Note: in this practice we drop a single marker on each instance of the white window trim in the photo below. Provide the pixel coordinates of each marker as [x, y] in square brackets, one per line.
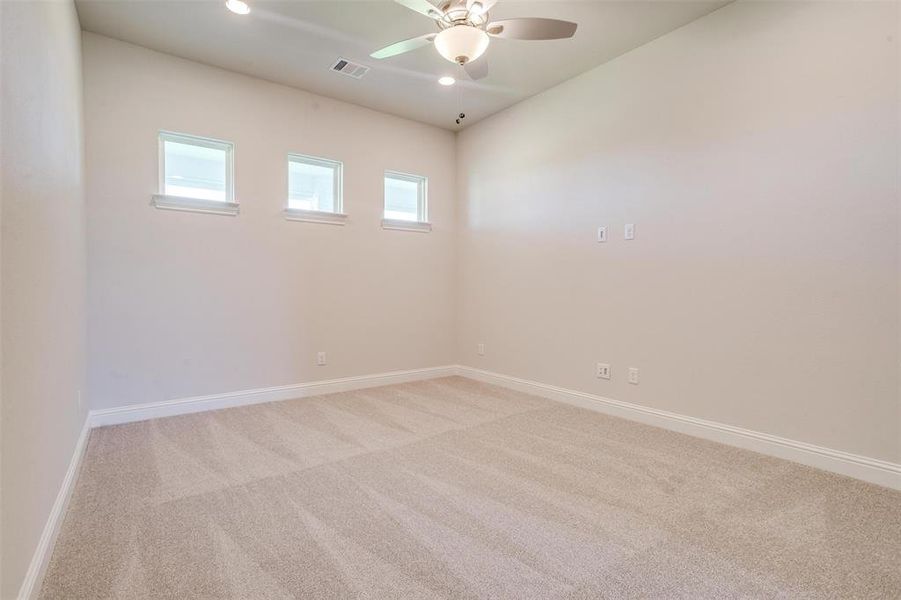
[315, 216]
[401, 225]
[338, 217]
[215, 207]
[422, 223]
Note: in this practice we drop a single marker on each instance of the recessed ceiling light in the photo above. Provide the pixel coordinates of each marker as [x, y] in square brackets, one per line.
[239, 7]
[447, 80]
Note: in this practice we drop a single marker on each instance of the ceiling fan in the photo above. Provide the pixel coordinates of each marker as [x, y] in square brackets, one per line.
[464, 32]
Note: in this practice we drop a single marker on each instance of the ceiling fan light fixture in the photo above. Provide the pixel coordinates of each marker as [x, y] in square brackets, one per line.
[462, 43]
[239, 7]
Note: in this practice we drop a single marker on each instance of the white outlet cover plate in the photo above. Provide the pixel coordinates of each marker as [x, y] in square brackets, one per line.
[633, 376]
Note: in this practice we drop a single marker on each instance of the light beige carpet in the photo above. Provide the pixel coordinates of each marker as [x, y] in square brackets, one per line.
[455, 489]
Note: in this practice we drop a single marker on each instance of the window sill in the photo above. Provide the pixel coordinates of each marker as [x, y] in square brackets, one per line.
[406, 225]
[213, 207]
[315, 216]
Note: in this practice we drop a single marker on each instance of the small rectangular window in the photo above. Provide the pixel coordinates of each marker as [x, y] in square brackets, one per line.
[314, 183]
[314, 190]
[405, 201]
[196, 173]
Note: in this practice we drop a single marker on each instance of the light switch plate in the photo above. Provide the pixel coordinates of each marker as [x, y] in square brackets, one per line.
[602, 234]
[629, 232]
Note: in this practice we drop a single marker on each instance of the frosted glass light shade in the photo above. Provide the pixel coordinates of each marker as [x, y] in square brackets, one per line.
[462, 43]
[239, 7]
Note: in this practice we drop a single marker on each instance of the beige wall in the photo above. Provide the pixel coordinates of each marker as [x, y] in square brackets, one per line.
[42, 266]
[756, 150]
[182, 304]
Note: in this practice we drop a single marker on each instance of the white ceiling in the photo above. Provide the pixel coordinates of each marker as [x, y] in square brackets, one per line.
[295, 43]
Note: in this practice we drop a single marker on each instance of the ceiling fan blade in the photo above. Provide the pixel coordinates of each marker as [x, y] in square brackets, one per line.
[423, 7]
[532, 28]
[479, 7]
[477, 69]
[404, 46]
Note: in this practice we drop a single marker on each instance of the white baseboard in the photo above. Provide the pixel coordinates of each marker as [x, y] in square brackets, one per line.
[41, 557]
[860, 467]
[182, 406]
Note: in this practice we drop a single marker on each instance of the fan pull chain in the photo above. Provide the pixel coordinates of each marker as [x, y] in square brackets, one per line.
[463, 75]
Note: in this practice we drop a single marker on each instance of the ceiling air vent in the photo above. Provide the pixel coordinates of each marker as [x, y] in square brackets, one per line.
[345, 67]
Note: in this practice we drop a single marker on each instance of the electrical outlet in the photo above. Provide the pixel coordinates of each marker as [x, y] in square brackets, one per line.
[320, 359]
[603, 371]
[480, 349]
[633, 376]
[602, 234]
[629, 232]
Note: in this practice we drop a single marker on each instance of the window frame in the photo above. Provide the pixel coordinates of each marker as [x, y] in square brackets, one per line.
[336, 217]
[422, 203]
[171, 202]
